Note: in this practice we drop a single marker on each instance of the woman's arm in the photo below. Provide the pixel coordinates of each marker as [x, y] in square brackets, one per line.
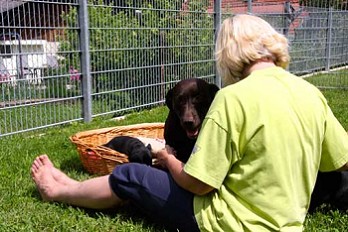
[343, 168]
[166, 159]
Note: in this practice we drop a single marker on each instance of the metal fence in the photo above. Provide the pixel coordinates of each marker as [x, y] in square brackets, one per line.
[70, 60]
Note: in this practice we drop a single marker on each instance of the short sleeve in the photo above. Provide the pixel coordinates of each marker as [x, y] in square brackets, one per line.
[335, 145]
[210, 160]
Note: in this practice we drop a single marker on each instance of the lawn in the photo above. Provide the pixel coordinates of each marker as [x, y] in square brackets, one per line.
[334, 79]
[20, 205]
[23, 210]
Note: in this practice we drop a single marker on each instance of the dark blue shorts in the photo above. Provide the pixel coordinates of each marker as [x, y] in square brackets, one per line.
[155, 192]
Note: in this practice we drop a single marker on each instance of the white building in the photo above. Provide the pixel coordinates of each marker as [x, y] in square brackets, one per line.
[26, 59]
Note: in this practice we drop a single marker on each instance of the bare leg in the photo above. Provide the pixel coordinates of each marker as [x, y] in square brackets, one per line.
[54, 185]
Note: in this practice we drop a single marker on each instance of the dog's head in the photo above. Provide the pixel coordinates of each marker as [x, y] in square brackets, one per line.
[141, 155]
[190, 100]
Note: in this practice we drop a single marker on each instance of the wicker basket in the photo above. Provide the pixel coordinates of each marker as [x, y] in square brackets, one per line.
[101, 160]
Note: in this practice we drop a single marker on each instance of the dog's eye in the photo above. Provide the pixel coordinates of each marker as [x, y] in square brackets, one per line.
[197, 99]
[180, 100]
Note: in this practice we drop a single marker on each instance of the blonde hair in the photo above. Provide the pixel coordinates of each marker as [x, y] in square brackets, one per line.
[244, 39]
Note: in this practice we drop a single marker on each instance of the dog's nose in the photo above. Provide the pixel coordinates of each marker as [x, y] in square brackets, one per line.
[189, 124]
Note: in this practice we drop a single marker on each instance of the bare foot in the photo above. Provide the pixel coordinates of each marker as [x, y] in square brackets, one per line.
[54, 185]
[45, 183]
[57, 174]
[48, 179]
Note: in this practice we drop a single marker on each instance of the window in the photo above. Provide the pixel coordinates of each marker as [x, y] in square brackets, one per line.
[5, 51]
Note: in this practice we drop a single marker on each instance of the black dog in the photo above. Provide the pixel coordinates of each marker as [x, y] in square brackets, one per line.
[132, 147]
[188, 102]
[330, 188]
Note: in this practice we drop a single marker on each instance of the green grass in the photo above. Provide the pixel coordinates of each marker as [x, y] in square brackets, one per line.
[22, 209]
[20, 205]
[333, 79]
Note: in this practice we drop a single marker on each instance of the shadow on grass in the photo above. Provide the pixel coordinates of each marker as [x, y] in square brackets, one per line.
[73, 164]
[326, 209]
[130, 213]
[127, 213]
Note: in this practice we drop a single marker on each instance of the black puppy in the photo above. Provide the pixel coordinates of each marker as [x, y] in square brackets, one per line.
[188, 102]
[132, 147]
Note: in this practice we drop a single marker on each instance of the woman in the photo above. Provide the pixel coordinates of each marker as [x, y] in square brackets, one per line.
[253, 168]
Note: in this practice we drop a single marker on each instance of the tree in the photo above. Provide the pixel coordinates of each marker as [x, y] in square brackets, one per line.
[140, 47]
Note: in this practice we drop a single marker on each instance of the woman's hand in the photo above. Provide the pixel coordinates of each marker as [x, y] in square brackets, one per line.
[162, 157]
[166, 159]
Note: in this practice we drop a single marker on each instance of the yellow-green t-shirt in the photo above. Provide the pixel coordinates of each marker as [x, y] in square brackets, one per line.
[261, 145]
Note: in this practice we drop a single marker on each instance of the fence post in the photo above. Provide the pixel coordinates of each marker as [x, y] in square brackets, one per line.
[250, 6]
[85, 61]
[287, 18]
[217, 24]
[328, 40]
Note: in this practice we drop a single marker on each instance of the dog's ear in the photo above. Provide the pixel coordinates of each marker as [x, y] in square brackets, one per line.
[213, 89]
[149, 147]
[169, 99]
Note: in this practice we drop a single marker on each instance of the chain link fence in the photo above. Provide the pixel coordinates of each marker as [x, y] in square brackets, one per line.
[69, 60]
